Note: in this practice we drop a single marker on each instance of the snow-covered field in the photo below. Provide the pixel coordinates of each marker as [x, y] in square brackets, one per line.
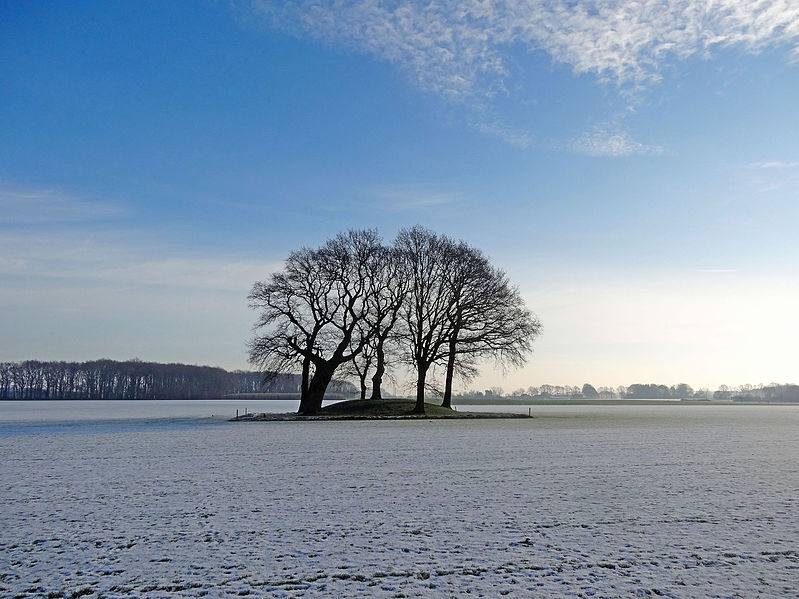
[587, 501]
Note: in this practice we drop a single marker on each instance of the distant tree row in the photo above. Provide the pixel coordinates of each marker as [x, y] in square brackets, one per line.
[361, 307]
[769, 393]
[588, 391]
[744, 393]
[133, 379]
[654, 391]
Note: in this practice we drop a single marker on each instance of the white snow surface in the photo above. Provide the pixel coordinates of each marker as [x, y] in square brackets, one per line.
[583, 501]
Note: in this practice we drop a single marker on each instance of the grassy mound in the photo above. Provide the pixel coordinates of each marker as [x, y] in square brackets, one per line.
[385, 409]
[381, 407]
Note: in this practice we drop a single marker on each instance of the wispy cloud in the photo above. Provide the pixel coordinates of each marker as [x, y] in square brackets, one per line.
[774, 176]
[408, 199]
[192, 272]
[514, 137]
[29, 207]
[117, 255]
[774, 165]
[456, 48]
[605, 142]
[123, 259]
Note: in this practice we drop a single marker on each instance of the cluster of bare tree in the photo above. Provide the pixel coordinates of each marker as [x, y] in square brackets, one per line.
[357, 305]
[131, 379]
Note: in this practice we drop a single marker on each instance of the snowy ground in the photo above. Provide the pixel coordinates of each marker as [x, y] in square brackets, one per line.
[605, 501]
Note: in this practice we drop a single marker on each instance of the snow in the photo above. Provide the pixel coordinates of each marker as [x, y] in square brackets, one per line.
[608, 501]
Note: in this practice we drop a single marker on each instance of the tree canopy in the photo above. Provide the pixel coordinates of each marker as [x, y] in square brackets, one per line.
[356, 303]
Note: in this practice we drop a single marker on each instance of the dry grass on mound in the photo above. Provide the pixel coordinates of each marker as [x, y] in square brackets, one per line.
[381, 407]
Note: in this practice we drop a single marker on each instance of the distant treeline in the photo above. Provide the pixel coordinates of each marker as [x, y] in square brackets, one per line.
[744, 393]
[655, 391]
[588, 391]
[775, 393]
[134, 379]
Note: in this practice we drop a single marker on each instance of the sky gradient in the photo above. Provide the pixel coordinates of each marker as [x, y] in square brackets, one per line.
[633, 166]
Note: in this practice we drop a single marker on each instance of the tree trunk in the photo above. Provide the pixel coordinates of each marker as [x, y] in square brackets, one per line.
[322, 376]
[304, 405]
[419, 407]
[306, 371]
[362, 378]
[447, 403]
[380, 369]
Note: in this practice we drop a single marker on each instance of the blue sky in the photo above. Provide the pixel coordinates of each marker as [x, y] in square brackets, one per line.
[634, 166]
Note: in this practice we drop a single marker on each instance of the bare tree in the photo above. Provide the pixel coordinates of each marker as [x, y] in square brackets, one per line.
[389, 279]
[5, 380]
[315, 312]
[293, 310]
[360, 366]
[487, 316]
[388, 289]
[425, 313]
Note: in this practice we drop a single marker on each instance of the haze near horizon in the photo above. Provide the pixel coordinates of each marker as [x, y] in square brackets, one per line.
[632, 166]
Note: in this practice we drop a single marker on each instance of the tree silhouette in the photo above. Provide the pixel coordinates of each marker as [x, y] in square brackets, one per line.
[487, 316]
[426, 311]
[316, 311]
[354, 302]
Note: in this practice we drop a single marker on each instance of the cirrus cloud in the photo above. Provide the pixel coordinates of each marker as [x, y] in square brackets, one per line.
[612, 143]
[457, 48]
[47, 206]
[775, 164]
